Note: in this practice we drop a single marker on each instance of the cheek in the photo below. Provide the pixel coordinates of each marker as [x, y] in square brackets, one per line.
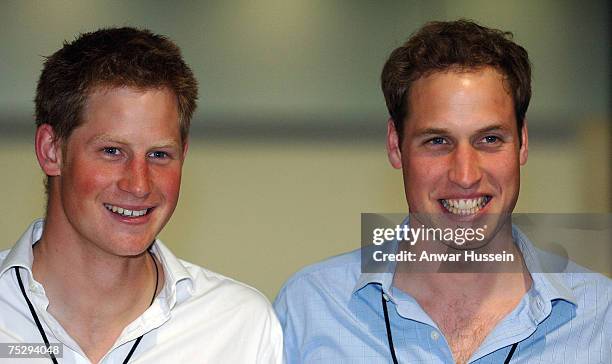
[422, 177]
[504, 169]
[86, 178]
[168, 183]
[423, 173]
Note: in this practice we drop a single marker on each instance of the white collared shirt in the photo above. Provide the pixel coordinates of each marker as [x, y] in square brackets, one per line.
[198, 316]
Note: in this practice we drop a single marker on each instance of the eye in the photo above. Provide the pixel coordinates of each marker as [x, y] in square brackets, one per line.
[437, 141]
[491, 139]
[159, 154]
[111, 151]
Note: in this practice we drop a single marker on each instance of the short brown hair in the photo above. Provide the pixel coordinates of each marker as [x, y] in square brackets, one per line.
[461, 45]
[111, 57]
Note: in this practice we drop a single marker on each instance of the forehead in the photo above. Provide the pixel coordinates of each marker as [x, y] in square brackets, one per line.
[113, 95]
[129, 112]
[460, 98]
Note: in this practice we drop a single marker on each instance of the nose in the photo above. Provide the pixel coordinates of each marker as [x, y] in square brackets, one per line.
[465, 170]
[136, 178]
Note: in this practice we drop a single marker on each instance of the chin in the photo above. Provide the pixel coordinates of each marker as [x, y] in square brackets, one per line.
[130, 247]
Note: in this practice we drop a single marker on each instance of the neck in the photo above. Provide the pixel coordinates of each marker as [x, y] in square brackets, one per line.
[451, 280]
[94, 282]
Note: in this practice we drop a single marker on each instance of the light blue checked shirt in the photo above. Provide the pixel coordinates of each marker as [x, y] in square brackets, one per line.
[332, 313]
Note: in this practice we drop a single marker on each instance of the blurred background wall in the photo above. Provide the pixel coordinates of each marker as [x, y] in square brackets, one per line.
[287, 146]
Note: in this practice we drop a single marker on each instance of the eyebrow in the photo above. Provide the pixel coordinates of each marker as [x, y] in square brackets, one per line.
[430, 131]
[105, 138]
[442, 131]
[494, 127]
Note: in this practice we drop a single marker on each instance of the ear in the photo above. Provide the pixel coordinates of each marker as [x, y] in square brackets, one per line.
[185, 148]
[523, 152]
[48, 150]
[393, 148]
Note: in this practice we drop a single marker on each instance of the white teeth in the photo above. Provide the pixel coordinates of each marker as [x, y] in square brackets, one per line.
[125, 212]
[465, 206]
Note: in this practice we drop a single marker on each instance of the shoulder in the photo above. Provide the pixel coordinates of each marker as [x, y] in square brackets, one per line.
[586, 284]
[209, 285]
[319, 289]
[224, 305]
[220, 310]
[337, 273]
[590, 286]
[315, 300]
[195, 285]
[592, 293]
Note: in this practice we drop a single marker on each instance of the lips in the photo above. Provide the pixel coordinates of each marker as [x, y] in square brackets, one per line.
[465, 207]
[127, 212]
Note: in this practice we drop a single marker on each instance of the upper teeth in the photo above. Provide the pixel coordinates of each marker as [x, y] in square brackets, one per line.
[465, 206]
[125, 212]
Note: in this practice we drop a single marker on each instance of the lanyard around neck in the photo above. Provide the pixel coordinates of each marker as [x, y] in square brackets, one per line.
[42, 332]
[390, 337]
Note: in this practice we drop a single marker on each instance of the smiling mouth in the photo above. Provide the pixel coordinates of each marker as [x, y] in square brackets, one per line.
[126, 212]
[465, 207]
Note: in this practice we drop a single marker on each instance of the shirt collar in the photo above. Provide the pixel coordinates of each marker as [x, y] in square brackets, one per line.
[176, 275]
[179, 282]
[21, 254]
[383, 277]
[549, 285]
[369, 274]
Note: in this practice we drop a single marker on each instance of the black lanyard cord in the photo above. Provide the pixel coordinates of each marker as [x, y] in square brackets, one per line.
[42, 332]
[512, 349]
[127, 358]
[390, 337]
[36, 320]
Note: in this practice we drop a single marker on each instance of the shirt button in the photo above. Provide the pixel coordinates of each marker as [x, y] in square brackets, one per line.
[434, 335]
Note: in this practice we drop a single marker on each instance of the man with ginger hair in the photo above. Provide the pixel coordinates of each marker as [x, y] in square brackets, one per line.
[113, 109]
[457, 95]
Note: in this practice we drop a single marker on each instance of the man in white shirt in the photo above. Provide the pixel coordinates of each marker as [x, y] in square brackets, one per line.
[113, 109]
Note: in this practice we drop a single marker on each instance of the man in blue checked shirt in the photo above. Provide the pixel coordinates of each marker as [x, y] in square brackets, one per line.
[457, 95]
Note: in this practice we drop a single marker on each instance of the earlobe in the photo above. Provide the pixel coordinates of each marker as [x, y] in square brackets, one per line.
[393, 149]
[48, 150]
[524, 151]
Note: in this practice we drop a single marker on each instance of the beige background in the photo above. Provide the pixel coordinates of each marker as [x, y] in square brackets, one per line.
[258, 212]
[288, 144]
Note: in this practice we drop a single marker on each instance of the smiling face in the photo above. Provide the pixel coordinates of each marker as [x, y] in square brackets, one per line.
[460, 154]
[118, 176]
